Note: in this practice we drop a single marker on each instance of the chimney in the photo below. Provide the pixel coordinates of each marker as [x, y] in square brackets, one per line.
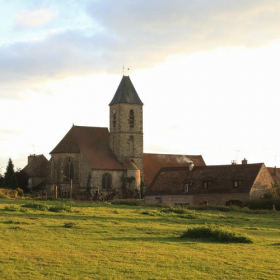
[233, 162]
[244, 161]
[30, 158]
[191, 166]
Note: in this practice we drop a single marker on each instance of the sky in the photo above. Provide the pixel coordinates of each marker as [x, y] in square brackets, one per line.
[207, 72]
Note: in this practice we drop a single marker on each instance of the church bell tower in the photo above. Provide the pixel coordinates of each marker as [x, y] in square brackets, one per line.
[126, 124]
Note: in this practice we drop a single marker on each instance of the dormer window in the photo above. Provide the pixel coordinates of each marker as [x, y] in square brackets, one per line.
[237, 183]
[206, 184]
[131, 118]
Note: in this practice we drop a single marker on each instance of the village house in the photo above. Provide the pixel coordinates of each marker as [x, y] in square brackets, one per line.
[37, 171]
[209, 185]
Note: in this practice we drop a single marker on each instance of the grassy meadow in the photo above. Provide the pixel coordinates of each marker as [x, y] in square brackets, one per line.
[106, 241]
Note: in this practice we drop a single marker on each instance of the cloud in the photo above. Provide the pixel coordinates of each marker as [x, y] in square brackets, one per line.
[136, 33]
[10, 132]
[35, 18]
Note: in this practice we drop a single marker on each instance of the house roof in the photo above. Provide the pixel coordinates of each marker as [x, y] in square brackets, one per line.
[126, 93]
[275, 173]
[171, 180]
[37, 166]
[93, 143]
[152, 163]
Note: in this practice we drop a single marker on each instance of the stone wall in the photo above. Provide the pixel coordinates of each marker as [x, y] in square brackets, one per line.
[81, 169]
[124, 139]
[96, 180]
[262, 184]
[198, 199]
[169, 199]
[219, 199]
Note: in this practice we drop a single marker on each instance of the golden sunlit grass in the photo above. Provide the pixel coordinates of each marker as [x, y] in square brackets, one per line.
[103, 241]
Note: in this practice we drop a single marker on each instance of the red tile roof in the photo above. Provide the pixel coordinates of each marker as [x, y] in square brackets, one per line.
[171, 180]
[152, 163]
[93, 143]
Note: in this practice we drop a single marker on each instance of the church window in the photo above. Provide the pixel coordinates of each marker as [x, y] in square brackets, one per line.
[106, 181]
[68, 170]
[131, 118]
[114, 118]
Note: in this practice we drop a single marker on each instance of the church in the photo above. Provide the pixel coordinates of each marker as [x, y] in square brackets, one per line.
[98, 159]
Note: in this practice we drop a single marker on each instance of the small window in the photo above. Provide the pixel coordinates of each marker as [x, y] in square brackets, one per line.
[131, 118]
[186, 187]
[207, 184]
[114, 118]
[237, 183]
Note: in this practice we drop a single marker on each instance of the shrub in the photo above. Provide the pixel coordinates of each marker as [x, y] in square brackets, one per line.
[216, 233]
[60, 208]
[9, 222]
[8, 193]
[176, 210]
[69, 225]
[11, 208]
[212, 207]
[263, 203]
[20, 192]
[36, 206]
[132, 202]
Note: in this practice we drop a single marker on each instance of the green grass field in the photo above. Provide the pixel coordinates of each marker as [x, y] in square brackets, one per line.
[103, 241]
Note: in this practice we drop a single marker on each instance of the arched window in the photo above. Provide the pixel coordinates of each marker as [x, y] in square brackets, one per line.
[131, 118]
[106, 181]
[68, 170]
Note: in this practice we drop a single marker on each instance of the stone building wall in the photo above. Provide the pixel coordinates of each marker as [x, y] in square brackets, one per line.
[126, 140]
[220, 199]
[96, 180]
[198, 199]
[81, 172]
[169, 199]
[262, 184]
[136, 174]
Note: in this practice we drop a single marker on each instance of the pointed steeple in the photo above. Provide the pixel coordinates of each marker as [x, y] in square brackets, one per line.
[126, 93]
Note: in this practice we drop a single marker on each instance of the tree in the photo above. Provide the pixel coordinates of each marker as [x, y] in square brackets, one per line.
[276, 189]
[10, 178]
[22, 179]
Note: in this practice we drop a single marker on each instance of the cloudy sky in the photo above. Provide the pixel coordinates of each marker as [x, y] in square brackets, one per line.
[207, 71]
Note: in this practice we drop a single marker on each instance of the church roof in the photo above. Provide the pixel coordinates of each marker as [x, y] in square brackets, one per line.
[152, 163]
[93, 143]
[126, 93]
[171, 180]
